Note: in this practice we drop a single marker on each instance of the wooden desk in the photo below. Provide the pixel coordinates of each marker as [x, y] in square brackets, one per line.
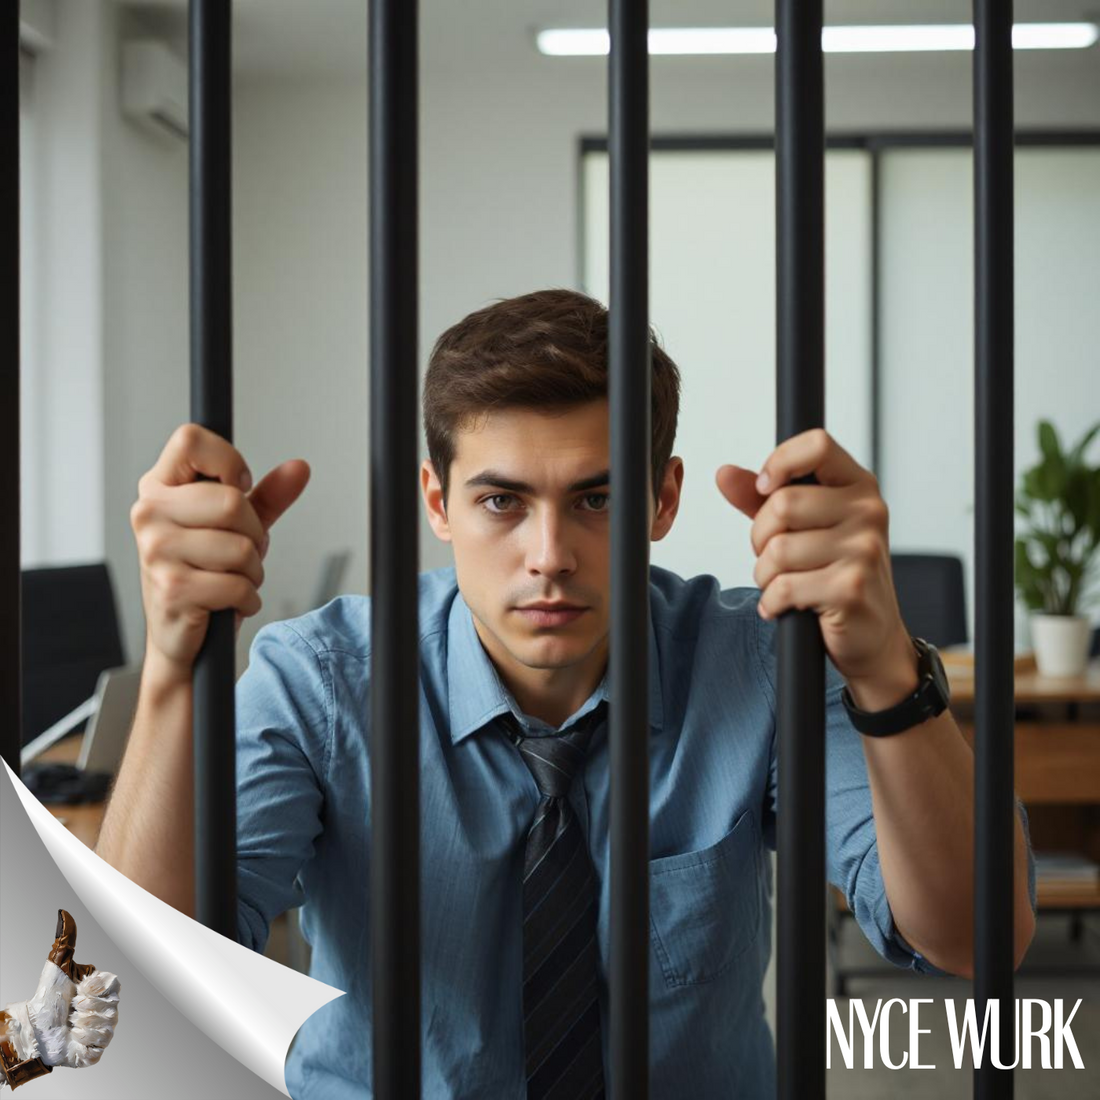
[1030, 687]
[1057, 769]
[81, 819]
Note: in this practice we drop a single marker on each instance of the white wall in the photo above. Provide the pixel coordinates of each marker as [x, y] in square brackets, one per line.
[928, 333]
[498, 193]
[712, 295]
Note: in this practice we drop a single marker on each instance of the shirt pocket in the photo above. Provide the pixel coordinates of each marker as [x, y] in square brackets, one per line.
[704, 906]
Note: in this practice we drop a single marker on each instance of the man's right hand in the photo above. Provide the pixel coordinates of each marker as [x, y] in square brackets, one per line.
[201, 544]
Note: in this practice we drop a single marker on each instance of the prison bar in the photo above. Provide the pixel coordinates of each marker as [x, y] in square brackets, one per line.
[800, 656]
[394, 670]
[994, 710]
[211, 272]
[630, 386]
[11, 687]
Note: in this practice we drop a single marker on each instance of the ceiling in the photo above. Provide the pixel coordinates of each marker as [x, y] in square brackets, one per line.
[312, 37]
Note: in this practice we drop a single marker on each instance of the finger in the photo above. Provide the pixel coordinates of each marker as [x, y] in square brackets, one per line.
[811, 452]
[210, 550]
[100, 983]
[812, 590]
[800, 508]
[194, 450]
[279, 489]
[738, 486]
[205, 506]
[795, 552]
[197, 588]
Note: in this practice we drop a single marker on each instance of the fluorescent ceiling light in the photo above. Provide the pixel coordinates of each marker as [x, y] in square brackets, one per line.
[885, 39]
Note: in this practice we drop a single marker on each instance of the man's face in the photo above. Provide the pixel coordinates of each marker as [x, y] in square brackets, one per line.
[528, 515]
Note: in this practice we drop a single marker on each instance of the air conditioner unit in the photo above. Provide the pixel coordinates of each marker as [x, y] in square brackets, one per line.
[154, 87]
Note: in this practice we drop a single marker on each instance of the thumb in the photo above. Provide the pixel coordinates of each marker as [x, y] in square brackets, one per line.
[279, 489]
[64, 944]
[738, 486]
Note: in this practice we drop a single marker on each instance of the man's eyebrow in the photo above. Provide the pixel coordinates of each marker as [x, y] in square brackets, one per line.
[497, 480]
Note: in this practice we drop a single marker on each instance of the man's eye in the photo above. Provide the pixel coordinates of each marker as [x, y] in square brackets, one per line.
[601, 498]
[497, 497]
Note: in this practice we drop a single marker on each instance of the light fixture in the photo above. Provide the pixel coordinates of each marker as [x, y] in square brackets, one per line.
[837, 39]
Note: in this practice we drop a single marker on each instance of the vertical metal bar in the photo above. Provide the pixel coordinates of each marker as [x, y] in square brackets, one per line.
[630, 388]
[212, 407]
[994, 711]
[11, 692]
[800, 395]
[876, 310]
[394, 746]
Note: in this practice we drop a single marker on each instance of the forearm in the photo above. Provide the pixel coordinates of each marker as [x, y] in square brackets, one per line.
[148, 830]
[922, 793]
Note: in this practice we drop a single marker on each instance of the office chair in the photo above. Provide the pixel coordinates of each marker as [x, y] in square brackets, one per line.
[931, 596]
[70, 634]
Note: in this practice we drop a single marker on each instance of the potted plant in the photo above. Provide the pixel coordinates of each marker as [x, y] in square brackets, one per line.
[1055, 553]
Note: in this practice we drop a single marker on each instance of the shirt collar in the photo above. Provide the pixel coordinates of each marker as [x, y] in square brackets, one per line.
[476, 695]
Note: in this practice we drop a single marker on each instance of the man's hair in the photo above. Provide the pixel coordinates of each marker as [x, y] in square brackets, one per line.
[546, 350]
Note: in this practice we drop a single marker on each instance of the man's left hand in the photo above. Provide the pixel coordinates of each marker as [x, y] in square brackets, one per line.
[825, 547]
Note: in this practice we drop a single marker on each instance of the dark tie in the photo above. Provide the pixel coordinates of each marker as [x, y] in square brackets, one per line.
[561, 1007]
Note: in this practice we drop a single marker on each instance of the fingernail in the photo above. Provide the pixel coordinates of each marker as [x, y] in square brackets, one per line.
[246, 481]
[762, 482]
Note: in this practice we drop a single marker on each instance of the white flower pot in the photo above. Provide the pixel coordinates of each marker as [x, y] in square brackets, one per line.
[1061, 643]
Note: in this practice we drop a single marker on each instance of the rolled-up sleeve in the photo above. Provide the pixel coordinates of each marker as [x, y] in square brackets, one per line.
[284, 711]
[851, 844]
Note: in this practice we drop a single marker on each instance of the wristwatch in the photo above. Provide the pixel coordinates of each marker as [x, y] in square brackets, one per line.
[930, 698]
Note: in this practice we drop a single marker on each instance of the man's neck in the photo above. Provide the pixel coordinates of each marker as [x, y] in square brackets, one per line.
[549, 694]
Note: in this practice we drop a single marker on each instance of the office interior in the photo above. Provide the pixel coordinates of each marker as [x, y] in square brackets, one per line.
[513, 197]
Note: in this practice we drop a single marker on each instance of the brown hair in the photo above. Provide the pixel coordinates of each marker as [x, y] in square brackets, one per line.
[542, 350]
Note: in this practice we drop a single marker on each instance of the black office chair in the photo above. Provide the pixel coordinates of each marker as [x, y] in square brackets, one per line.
[932, 596]
[70, 635]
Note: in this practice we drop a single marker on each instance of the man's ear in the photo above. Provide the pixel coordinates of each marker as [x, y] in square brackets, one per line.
[668, 500]
[432, 493]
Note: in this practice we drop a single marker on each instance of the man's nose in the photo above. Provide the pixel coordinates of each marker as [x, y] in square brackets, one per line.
[550, 551]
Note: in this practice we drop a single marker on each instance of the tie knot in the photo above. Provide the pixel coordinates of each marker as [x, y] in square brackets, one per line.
[554, 760]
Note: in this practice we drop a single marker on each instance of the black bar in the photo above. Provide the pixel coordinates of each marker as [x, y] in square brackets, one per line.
[212, 407]
[994, 712]
[11, 689]
[630, 388]
[1084, 137]
[800, 406]
[394, 673]
[876, 311]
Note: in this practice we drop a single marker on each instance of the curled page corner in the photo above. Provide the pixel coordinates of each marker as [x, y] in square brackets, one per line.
[248, 1004]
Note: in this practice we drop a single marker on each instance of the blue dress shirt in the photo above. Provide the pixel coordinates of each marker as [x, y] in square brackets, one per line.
[304, 807]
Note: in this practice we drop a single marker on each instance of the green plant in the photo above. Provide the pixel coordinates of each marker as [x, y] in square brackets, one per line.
[1060, 498]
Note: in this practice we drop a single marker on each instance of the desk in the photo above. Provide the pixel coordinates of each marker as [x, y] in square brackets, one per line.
[1057, 769]
[81, 819]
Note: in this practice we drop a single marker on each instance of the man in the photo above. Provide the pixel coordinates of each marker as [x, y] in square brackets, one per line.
[513, 746]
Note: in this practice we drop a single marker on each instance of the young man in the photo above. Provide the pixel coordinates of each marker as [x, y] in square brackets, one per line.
[513, 734]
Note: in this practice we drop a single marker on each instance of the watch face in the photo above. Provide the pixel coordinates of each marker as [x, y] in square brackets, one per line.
[939, 675]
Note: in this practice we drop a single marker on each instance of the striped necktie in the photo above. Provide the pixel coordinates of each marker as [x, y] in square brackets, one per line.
[561, 1007]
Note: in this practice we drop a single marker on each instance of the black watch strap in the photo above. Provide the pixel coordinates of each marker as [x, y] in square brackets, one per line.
[930, 698]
